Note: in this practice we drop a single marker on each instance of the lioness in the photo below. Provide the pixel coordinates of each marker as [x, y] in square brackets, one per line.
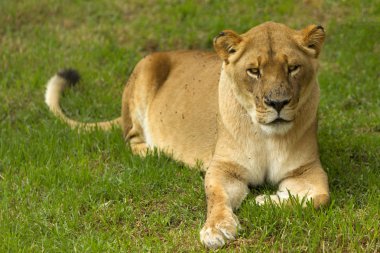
[247, 112]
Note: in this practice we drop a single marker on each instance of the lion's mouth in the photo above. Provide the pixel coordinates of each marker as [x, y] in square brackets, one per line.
[279, 121]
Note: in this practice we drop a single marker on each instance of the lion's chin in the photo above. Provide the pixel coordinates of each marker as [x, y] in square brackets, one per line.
[277, 127]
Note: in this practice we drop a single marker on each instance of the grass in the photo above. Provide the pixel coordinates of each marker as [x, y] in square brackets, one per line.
[61, 191]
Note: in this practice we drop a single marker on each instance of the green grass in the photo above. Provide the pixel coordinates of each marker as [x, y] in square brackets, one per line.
[61, 191]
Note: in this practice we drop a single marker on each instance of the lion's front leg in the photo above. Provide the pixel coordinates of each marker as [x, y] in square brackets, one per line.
[226, 188]
[310, 185]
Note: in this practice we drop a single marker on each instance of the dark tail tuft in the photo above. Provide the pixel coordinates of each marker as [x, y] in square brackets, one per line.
[70, 75]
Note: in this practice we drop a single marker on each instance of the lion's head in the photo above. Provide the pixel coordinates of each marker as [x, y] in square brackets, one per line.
[273, 70]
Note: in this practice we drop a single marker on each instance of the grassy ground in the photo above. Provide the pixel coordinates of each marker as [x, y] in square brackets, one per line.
[61, 191]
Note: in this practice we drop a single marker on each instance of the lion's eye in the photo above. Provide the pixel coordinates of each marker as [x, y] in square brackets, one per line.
[293, 69]
[253, 72]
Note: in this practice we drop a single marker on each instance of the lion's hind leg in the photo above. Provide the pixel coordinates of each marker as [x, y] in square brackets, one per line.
[147, 77]
[137, 143]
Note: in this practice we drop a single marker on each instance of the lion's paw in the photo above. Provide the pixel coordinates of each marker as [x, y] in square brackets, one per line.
[216, 236]
[275, 199]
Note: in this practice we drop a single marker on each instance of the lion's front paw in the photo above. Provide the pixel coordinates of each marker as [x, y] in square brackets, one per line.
[278, 198]
[215, 236]
[263, 199]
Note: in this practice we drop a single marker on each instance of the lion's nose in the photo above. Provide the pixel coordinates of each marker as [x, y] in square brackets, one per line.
[277, 104]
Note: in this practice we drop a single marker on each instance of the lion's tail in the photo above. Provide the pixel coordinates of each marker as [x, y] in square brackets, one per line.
[54, 89]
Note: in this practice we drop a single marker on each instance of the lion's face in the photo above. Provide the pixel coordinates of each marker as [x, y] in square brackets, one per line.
[272, 68]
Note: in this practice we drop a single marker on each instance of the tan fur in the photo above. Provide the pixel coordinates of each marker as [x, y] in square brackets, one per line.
[222, 109]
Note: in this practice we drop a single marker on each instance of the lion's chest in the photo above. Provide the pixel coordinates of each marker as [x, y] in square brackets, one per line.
[267, 161]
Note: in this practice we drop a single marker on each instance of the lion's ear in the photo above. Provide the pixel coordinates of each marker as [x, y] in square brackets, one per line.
[312, 38]
[226, 44]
